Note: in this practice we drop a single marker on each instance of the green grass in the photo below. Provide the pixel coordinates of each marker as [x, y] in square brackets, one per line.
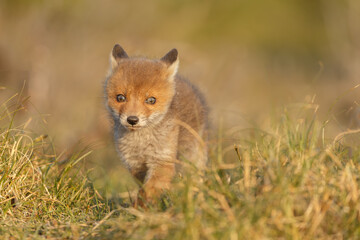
[39, 194]
[285, 181]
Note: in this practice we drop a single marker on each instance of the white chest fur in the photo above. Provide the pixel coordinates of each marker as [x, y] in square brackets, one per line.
[149, 145]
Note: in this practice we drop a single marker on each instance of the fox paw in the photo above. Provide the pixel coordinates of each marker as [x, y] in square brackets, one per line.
[147, 196]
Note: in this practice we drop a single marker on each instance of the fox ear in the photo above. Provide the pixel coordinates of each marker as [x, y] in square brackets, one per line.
[116, 55]
[171, 59]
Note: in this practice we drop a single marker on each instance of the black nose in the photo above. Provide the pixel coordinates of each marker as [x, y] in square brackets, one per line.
[133, 120]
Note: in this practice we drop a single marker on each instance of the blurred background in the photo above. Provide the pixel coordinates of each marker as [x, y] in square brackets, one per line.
[248, 57]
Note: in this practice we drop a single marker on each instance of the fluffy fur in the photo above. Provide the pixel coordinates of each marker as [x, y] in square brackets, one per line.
[173, 128]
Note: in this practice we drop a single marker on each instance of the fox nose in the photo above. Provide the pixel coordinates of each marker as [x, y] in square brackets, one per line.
[133, 120]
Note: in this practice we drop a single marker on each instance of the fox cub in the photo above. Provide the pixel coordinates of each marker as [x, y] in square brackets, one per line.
[158, 118]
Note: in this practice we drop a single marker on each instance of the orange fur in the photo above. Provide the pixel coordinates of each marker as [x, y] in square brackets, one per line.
[149, 148]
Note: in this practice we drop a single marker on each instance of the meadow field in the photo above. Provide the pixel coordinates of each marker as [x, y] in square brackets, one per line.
[282, 83]
[287, 181]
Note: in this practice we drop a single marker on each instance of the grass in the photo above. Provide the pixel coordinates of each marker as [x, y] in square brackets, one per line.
[285, 181]
[40, 195]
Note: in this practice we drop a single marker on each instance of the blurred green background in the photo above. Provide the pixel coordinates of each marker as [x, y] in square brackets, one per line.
[248, 57]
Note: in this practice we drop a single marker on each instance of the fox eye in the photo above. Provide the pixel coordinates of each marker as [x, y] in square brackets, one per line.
[120, 98]
[151, 100]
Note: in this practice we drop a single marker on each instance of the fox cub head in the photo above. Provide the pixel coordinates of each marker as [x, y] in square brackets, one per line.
[139, 91]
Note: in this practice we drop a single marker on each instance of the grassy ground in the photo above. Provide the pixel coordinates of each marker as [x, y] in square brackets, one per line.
[285, 181]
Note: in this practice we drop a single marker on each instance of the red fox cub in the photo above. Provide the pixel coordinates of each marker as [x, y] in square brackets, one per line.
[158, 118]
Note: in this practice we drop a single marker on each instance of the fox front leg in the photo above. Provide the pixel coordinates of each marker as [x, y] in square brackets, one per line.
[158, 179]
